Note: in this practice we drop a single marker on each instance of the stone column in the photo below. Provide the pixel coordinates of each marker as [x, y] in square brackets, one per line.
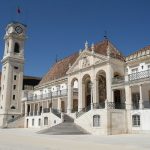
[91, 95]
[128, 95]
[112, 95]
[81, 95]
[59, 105]
[141, 97]
[69, 105]
[42, 107]
[26, 107]
[47, 106]
[38, 109]
[30, 110]
[34, 109]
[109, 83]
[95, 91]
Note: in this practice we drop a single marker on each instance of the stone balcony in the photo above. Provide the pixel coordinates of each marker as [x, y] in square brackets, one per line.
[143, 75]
[50, 95]
[61, 93]
[139, 75]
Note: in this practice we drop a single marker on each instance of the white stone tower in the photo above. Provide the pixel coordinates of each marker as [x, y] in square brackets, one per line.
[12, 72]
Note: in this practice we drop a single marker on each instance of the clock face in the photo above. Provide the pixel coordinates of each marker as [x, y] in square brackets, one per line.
[18, 29]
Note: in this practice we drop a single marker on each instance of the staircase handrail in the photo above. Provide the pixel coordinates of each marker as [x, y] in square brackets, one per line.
[56, 112]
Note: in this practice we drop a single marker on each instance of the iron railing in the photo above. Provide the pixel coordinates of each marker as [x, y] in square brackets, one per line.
[47, 95]
[46, 110]
[114, 105]
[84, 110]
[100, 105]
[139, 75]
[118, 80]
[56, 112]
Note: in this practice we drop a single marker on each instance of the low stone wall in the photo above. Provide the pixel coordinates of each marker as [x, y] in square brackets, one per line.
[86, 122]
[111, 121]
[52, 121]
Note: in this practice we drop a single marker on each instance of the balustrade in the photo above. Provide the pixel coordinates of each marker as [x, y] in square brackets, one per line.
[47, 95]
[139, 75]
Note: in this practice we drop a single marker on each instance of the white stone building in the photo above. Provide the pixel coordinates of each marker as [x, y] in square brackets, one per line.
[103, 91]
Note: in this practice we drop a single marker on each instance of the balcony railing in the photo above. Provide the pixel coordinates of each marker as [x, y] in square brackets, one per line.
[118, 80]
[113, 105]
[48, 95]
[139, 75]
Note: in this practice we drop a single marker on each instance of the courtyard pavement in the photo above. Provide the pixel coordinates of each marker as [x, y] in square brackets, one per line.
[28, 139]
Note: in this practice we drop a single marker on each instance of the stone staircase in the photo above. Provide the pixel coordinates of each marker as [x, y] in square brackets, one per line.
[17, 122]
[68, 127]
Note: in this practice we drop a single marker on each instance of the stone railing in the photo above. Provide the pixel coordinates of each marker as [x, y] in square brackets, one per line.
[102, 105]
[139, 75]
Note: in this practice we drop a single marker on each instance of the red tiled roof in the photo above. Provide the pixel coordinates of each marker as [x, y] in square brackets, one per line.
[60, 68]
[102, 47]
[140, 50]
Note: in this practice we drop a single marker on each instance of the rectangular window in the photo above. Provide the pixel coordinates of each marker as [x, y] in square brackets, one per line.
[96, 120]
[136, 121]
[16, 67]
[135, 70]
[32, 122]
[14, 87]
[15, 77]
[45, 120]
[14, 97]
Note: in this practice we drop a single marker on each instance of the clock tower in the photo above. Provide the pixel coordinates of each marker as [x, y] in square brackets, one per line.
[12, 72]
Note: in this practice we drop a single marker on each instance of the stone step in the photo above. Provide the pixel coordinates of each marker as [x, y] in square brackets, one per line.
[68, 119]
[68, 127]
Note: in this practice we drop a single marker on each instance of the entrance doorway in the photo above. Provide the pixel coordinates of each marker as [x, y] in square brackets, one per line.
[75, 105]
[62, 106]
[117, 99]
[135, 100]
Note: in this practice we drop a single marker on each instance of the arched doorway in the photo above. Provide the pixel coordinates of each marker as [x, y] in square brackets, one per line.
[87, 91]
[101, 86]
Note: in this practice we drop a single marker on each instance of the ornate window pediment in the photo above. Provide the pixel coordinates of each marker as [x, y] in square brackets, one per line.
[85, 61]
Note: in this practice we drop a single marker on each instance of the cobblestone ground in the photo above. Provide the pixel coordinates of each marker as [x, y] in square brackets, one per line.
[27, 139]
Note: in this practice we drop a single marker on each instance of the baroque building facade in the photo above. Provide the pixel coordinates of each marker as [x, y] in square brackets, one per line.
[103, 91]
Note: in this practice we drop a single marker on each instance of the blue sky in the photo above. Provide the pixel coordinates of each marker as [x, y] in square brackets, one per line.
[61, 27]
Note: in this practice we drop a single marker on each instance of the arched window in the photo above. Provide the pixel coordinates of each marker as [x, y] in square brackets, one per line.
[39, 122]
[136, 120]
[16, 48]
[13, 107]
[45, 120]
[32, 122]
[96, 120]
